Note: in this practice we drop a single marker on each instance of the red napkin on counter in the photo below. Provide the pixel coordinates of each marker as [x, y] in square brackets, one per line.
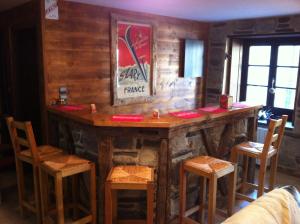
[239, 105]
[70, 107]
[213, 109]
[127, 117]
[186, 114]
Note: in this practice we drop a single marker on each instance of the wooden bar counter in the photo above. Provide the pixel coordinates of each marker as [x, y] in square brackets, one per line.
[161, 143]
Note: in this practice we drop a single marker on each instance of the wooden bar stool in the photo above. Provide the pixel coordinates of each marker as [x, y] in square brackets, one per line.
[128, 178]
[65, 166]
[262, 152]
[209, 168]
[26, 150]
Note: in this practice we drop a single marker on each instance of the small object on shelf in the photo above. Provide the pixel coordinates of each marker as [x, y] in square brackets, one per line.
[61, 102]
[155, 113]
[226, 101]
[63, 96]
[93, 108]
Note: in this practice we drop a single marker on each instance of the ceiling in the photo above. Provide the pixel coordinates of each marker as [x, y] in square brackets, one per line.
[202, 10]
[205, 10]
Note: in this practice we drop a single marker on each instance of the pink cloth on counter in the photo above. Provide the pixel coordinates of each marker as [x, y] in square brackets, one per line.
[127, 117]
[213, 109]
[69, 107]
[186, 114]
[239, 105]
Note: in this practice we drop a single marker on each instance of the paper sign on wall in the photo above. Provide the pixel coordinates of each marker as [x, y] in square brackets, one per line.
[51, 9]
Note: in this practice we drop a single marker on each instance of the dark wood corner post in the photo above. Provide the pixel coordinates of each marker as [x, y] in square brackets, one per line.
[162, 202]
[105, 152]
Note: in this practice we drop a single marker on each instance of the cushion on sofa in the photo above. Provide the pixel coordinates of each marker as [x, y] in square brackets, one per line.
[293, 191]
[276, 207]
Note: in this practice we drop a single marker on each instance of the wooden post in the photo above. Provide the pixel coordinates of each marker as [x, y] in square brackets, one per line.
[105, 164]
[162, 199]
[182, 192]
[212, 196]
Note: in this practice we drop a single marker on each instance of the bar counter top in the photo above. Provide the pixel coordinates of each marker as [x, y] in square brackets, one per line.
[164, 121]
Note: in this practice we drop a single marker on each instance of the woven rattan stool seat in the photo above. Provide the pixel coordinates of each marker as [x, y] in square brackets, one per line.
[128, 178]
[209, 169]
[131, 175]
[209, 165]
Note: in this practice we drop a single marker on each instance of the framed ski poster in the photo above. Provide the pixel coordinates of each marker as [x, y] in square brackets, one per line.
[133, 60]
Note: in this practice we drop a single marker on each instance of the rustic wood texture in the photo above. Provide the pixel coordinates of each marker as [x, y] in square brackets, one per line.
[163, 181]
[78, 55]
[105, 155]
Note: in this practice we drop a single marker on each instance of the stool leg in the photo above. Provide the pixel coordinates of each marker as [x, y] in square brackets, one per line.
[150, 198]
[44, 194]
[75, 186]
[114, 200]
[212, 199]
[93, 193]
[36, 193]
[20, 179]
[273, 171]
[45, 181]
[245, 173]
[108, 203]
[261, 177]
[202, 197]
[182, 194]
[59, 198]
[232, 189]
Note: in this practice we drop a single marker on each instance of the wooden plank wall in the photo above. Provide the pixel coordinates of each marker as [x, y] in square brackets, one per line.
[77, 55]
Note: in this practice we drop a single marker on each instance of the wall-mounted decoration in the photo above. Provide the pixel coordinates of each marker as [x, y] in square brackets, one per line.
[51, 9]
[193, 58]
[133, 60]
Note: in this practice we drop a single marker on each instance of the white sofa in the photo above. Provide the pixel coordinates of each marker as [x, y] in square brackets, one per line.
[280, 206]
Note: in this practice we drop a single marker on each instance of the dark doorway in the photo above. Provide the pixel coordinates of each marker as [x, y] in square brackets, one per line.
[27, 104]
[4, 91]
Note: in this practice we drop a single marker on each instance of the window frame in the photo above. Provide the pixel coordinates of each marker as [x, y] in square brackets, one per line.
[274, 42]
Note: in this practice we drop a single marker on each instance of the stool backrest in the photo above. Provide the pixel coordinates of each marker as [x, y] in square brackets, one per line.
[275, 134]
[22, 137]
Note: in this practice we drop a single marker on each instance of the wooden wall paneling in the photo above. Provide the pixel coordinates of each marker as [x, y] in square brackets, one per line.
[77, 55]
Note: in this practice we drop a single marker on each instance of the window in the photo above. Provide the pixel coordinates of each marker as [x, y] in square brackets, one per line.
[270, 69]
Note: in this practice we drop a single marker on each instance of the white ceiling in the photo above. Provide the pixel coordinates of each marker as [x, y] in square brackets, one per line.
[205, 10]
[8, 4]
[202, 10]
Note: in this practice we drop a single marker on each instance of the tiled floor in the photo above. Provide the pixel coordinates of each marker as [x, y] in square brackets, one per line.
[9, 213]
